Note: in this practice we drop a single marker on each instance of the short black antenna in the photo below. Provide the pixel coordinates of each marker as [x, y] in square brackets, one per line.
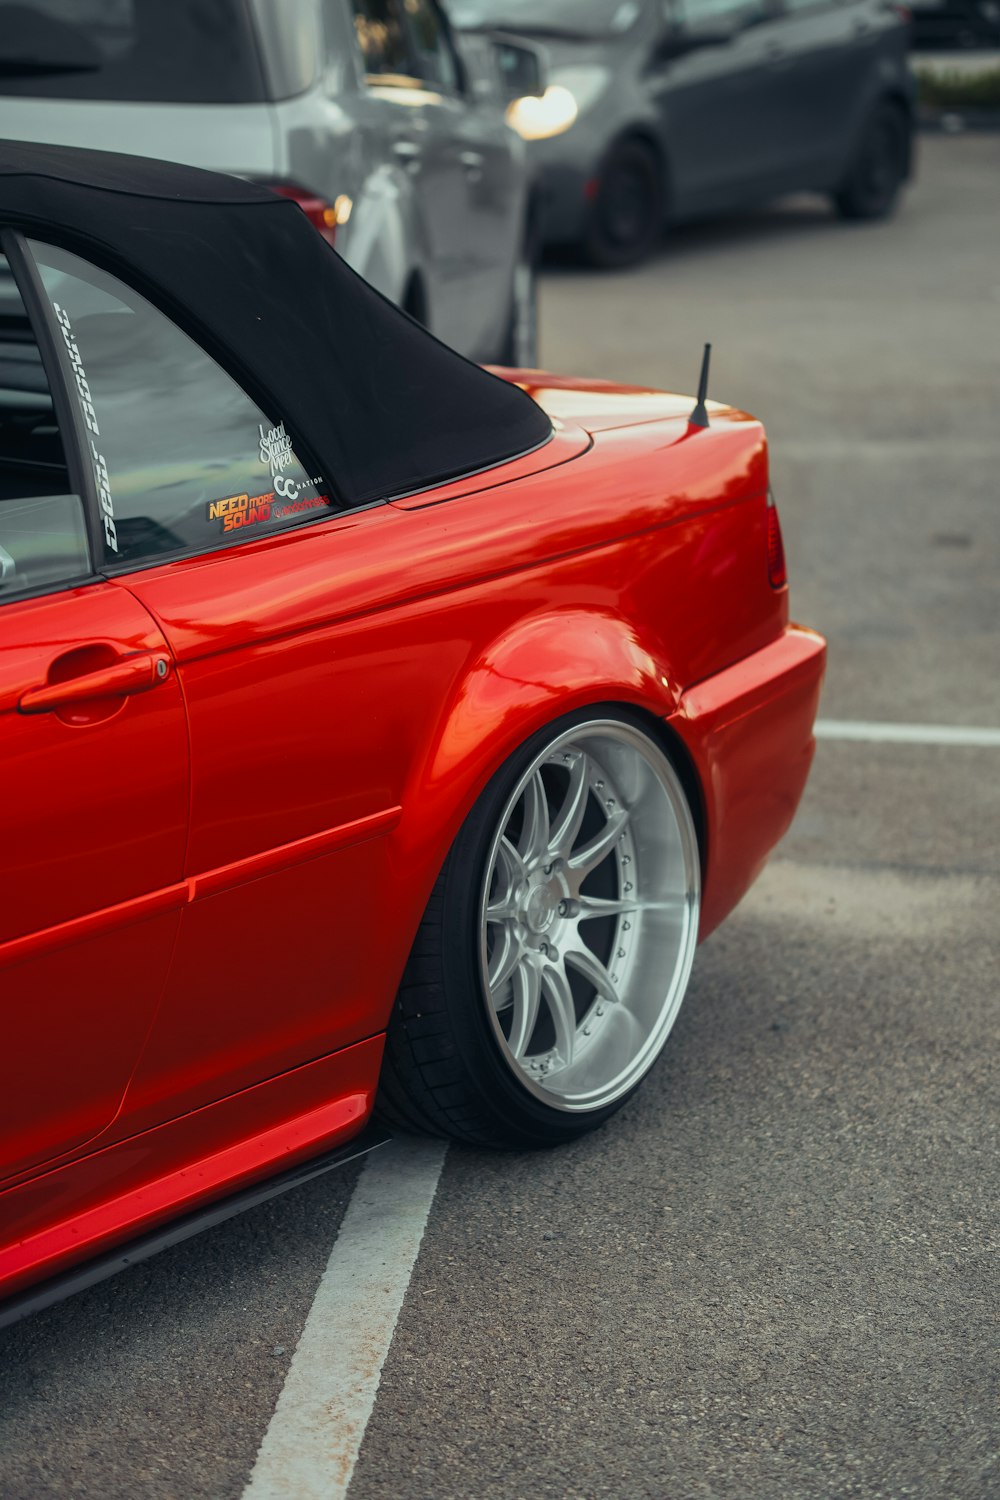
[699, 417]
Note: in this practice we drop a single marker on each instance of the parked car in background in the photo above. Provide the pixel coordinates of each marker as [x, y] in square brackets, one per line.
[662, 110]
[390, 136]
[948, 25]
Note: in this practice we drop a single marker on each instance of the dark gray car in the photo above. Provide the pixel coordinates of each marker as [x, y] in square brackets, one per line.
[664, 110]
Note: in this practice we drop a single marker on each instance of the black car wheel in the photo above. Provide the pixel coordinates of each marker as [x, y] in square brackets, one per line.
[557, 944]
[879, 168]
[627, 213]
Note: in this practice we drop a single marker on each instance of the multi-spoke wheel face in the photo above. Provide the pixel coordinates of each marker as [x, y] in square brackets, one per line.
[589, 915]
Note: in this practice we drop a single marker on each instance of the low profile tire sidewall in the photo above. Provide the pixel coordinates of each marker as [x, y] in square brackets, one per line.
[521, 1119]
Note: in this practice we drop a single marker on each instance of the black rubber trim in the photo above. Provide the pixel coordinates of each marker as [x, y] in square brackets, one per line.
[133, 1251]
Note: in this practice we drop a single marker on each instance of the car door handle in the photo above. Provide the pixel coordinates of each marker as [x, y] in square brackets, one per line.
[133, 674]
[406, 150]
[472, 161]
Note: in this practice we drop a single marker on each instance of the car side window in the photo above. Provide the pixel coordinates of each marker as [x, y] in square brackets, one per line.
[182, 459]
[383, 39]
[43, 540]
[432, 45]
[736, 14]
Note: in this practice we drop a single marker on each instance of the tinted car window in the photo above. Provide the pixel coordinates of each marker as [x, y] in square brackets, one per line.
[182, 458]
[585, 18]
[42, 536]
[432, 45]
[383, 39]
[184, 51]
[735, 13]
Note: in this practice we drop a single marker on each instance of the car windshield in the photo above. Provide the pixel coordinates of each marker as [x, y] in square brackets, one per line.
[175, 51]
[571, 18]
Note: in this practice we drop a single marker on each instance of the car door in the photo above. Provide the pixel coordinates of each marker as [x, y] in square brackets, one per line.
[412, 109]
[476, 208]
[93, 743]
[832, 65]
[722, 119]
[291, 747]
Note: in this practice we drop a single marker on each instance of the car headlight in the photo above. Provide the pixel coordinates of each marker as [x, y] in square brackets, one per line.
[571, 92]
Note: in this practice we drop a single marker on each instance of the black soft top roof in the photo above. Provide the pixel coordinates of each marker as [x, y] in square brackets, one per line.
[380, 404]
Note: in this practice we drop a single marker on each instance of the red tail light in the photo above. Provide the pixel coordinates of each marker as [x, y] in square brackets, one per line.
[776, 570]
[321, 215]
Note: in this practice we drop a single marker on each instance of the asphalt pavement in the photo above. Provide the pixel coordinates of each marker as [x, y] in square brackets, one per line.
[773, 1274]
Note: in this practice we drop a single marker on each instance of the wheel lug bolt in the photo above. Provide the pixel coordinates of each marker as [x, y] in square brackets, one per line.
[600, 1010]
[626, 926]
[586, 1031]
[621, 952]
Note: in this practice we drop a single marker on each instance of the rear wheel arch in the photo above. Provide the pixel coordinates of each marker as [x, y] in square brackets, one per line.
[442, 1071]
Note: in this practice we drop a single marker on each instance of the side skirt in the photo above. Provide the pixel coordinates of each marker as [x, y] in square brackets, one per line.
[131, 1253]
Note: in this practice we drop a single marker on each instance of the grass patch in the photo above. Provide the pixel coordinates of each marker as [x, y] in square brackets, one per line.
[950, 88]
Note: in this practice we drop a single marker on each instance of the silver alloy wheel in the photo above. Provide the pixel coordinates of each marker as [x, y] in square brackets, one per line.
[588, 915]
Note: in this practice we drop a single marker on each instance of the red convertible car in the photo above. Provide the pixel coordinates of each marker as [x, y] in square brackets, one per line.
[373, 725]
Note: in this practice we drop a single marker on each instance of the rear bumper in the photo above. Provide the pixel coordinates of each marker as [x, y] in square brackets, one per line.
[749, 731]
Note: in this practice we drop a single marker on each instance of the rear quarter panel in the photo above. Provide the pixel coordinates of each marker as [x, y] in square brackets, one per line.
[401, 654]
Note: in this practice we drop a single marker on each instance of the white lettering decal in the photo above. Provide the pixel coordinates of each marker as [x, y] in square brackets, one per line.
[82, 387]
[286, 488]
[104, 495]
[275, 448]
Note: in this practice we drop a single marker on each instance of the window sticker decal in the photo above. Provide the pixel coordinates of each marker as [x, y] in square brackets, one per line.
[104, 495]
[73, 351]
[275, 448]
[236, 511]
[101, 478]
[317, 502]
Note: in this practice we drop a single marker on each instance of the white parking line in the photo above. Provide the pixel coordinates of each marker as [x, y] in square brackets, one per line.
[907, 734]
[312, 1444]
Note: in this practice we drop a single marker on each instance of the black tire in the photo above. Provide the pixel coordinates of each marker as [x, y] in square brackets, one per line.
[448, 1070]
[627, 215]
[879, 167]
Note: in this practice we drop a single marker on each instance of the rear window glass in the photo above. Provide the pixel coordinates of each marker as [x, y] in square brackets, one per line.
[182, 459]
[172, 51]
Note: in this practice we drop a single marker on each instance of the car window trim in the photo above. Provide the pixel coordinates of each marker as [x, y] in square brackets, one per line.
[66, 409]
[433, 84]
